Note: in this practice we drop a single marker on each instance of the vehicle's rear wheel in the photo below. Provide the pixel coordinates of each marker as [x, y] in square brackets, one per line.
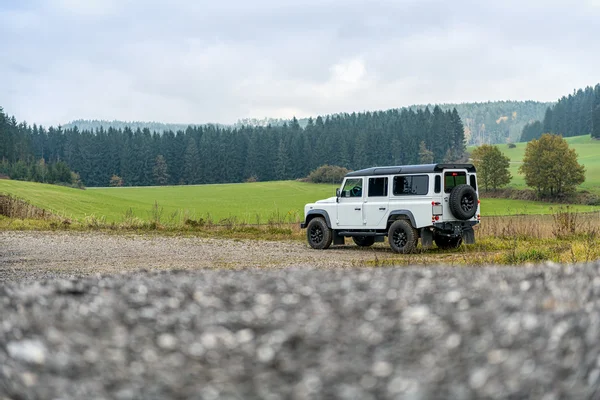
[447, 243]
[364, 241]
[319, 236]
[402, 237]
[463, 202]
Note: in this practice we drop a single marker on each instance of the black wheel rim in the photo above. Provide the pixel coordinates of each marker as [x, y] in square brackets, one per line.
[399, 238]
[467, 203]
[316, 234]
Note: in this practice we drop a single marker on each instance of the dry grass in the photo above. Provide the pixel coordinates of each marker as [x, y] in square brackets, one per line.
[564, 236]
[13, 207]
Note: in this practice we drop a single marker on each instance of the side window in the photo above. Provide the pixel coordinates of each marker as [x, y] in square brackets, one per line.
[473, 182]
[438, 184]
[378, 187]
[453, 179]
[411, 185]
[353, 188]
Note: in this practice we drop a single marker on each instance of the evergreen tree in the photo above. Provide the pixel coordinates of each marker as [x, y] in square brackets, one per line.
[191, 163]
[425, 156]
[283, 165]
[596, 122]
[161, 176]
[532, 131]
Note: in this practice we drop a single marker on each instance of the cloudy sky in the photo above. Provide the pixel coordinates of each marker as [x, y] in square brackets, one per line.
[196, 61]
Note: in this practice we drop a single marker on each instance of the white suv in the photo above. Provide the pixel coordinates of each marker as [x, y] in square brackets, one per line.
[434, 202]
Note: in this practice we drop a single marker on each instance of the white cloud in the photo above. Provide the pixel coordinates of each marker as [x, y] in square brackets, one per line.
[351, 72]
[200, 61]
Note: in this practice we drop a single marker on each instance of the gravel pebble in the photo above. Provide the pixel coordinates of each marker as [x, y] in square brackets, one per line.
[300, 332]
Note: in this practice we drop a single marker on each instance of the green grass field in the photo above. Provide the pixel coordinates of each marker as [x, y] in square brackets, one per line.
[247, 202]
[588, 151]
[257, 202]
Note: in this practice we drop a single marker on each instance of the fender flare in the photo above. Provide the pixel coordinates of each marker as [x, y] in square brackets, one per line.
[403, 213]
[317, 213]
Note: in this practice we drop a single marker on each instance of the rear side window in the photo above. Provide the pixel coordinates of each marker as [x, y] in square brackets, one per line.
[473, 182]
[411, 185]
[453, 179]
[378, 187]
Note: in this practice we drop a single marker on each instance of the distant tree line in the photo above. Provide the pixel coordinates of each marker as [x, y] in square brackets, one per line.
[573, 115]
[213, 154]
[484, 123]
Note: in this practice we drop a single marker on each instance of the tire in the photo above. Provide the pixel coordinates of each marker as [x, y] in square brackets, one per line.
[463, 202]
[364, 241]
[319, 236]
[448, 243]
[402, 237]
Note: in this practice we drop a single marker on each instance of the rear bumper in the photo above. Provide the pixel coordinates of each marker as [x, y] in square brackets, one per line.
[453, 226]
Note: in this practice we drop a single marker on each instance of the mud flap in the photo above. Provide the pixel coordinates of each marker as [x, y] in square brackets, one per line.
[337, 239]
[426, 238]
[468, 236]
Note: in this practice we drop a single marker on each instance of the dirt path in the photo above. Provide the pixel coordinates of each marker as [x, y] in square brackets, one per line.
[35, 255]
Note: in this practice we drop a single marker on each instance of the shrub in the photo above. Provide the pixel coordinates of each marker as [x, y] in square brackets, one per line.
[512, 145]
[328, 174]
[116, 181]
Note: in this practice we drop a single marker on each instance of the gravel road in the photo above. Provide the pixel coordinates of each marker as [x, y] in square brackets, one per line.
[37, 255]
[299, 332]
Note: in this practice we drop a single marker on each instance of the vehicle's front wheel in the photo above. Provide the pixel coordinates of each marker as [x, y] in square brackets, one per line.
[319, 236]
[447, 243]
[402, 237]
[364, 241]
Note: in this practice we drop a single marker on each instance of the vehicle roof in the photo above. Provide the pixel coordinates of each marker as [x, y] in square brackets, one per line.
[410, 169]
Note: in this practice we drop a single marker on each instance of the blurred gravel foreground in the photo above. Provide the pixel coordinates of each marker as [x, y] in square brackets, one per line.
[303, 333]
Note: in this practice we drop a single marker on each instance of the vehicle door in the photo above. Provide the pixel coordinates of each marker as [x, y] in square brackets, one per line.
[375, 207]
[451, 179]
[412, 193]
[350, 204]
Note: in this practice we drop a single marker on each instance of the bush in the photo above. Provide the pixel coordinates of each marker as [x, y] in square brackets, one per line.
[116, 181]
[512, 145]
[328, 174]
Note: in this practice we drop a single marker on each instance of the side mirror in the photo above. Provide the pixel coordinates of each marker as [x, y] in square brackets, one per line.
[337, 195]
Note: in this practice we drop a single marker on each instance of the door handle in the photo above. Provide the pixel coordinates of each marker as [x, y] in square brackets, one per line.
[357, 209]
[381, 208]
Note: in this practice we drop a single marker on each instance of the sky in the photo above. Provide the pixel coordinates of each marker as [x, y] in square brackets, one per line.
[196, 61]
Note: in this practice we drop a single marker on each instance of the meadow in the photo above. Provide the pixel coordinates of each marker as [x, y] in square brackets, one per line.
[249, 203]
[588, 151]
[511, 231]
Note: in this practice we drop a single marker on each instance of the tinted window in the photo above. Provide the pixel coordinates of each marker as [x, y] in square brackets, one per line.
[438, 184]
[352, 188]
[473, 182]
[453, 179]
[378, 187]
[411, 185]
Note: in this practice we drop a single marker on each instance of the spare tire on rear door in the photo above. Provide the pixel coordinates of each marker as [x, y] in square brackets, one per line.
[463, 202]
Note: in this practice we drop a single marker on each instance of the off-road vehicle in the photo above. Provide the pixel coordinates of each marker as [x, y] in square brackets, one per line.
[435, 202]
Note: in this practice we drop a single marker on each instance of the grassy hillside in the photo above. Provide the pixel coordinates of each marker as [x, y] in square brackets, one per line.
[587, 149]
[249, 202]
